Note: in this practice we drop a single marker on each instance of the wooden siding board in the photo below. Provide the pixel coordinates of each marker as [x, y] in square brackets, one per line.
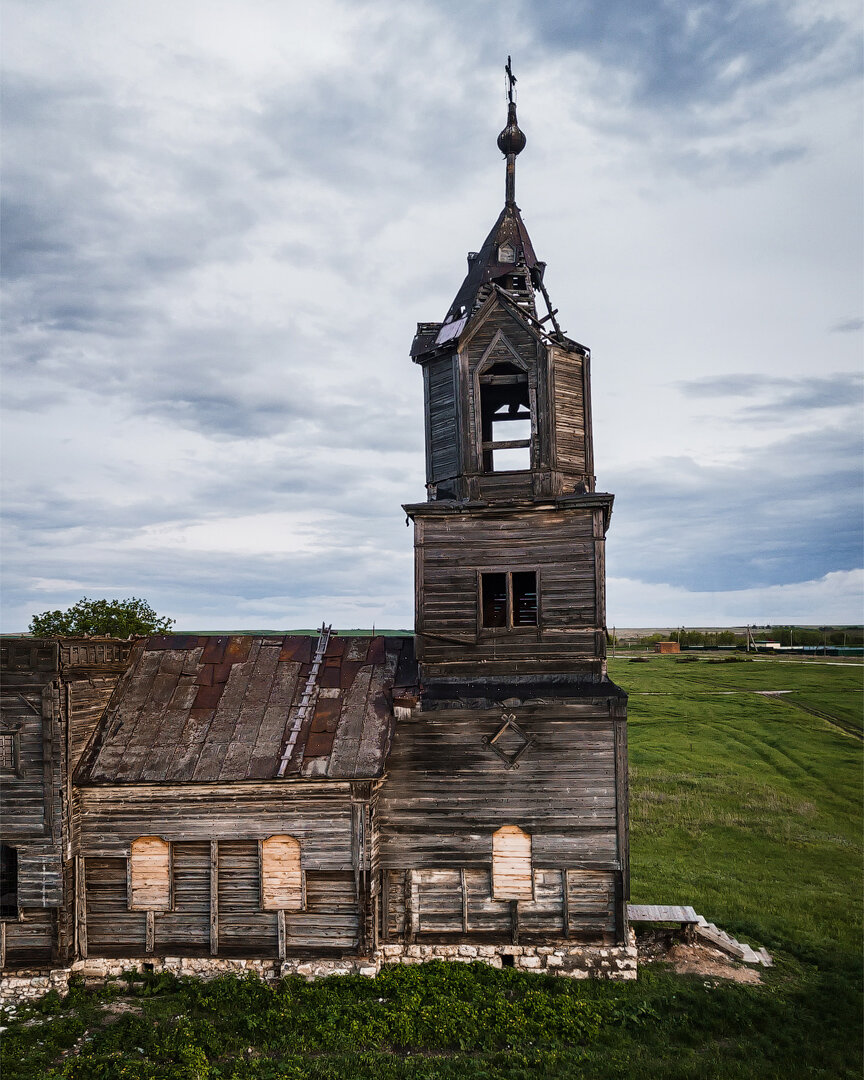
[40, 877]
[346, 744]
[244, 929]
[187, 925]
[375, 732]
[126, 717]
[318, 815]
[221, 730]
[266, 751]
[112, 929]
[442, 439]
[251, 715]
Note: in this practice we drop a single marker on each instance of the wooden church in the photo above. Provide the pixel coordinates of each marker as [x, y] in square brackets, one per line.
[462, 792]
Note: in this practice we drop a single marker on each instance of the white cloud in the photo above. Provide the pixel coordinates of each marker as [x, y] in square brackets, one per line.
[835, 598]
[224, 220]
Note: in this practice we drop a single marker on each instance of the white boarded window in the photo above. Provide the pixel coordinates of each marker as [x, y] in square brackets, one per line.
[281, 876]
[150, 874]
[512, 876]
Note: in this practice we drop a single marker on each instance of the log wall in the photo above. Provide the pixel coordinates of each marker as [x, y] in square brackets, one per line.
[565, 550]
[217, 901]
[447, 793]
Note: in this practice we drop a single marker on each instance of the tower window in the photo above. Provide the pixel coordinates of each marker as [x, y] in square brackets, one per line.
[506, 253]
[8, 882]
[509, 599]
[505, 417]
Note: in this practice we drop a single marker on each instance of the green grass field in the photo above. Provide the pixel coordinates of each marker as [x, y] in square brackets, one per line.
[745, 804]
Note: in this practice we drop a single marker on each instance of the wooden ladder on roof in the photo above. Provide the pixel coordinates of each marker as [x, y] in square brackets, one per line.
[308, 697]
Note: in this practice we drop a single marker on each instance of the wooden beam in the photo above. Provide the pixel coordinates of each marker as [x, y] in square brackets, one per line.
[622, 817]
[282, 933]
[509, 444]
[464, 884]
[514, 922]
[48, 757]
[150, 933]
[214, 897]
[2, 944]
[412, 903]
[80, 908]
[385, 905]
[565, 902]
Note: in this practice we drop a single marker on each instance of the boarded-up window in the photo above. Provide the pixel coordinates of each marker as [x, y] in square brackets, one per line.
[281, 877]
[511, 864]
[150, 874]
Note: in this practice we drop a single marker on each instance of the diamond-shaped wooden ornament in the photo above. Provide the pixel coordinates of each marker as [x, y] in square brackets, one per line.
[496, 742]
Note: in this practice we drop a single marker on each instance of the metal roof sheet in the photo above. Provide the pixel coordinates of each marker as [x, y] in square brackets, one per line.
[199, 709]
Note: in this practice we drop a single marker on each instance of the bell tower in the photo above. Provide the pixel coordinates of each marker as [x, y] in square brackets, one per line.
[510, 570]
[504, 812]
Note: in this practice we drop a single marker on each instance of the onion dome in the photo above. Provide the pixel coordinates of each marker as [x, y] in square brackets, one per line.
[512, 139]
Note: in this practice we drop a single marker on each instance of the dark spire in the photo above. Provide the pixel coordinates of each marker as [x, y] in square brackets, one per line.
[506, 260]
[512, 139]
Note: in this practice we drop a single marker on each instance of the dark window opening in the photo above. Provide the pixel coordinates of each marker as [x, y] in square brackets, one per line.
[525, 599]
[505, 419]
[8, 882]
[509, 599]
[507, 960]
[494, 588]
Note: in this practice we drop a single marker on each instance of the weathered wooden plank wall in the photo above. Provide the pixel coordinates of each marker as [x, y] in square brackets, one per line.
[571, 449]
[335, 847]
[588, 915]
[454, 549]
[441, 393]
[318, 815]
[446, 790]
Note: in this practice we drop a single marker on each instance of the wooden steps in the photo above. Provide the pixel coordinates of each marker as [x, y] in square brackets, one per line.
[700, 926]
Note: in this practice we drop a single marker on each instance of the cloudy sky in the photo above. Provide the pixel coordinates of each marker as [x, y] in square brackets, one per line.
[222, 221]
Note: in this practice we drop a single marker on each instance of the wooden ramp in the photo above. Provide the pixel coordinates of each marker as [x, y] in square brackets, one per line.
[700, 927]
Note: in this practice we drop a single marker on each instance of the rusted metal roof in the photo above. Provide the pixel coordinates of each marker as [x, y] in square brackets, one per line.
[510, 230]
[201, 709]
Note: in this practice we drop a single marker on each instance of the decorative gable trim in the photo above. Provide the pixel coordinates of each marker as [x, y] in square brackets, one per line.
[499, 349]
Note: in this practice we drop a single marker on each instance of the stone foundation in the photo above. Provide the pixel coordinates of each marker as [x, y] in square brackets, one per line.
[19, 987]
[570, 961]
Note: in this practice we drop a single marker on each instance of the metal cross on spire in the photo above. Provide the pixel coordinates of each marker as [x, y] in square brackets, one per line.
[511, 141]
[511, 80]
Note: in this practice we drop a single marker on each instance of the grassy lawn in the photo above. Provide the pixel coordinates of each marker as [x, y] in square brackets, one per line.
[746, 806]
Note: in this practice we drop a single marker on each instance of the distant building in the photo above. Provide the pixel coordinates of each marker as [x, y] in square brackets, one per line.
[666, 647]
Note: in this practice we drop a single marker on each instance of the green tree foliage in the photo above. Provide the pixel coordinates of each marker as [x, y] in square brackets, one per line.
[103, 618]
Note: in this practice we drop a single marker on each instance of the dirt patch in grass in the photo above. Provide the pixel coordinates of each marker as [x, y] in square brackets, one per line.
[696, 959]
